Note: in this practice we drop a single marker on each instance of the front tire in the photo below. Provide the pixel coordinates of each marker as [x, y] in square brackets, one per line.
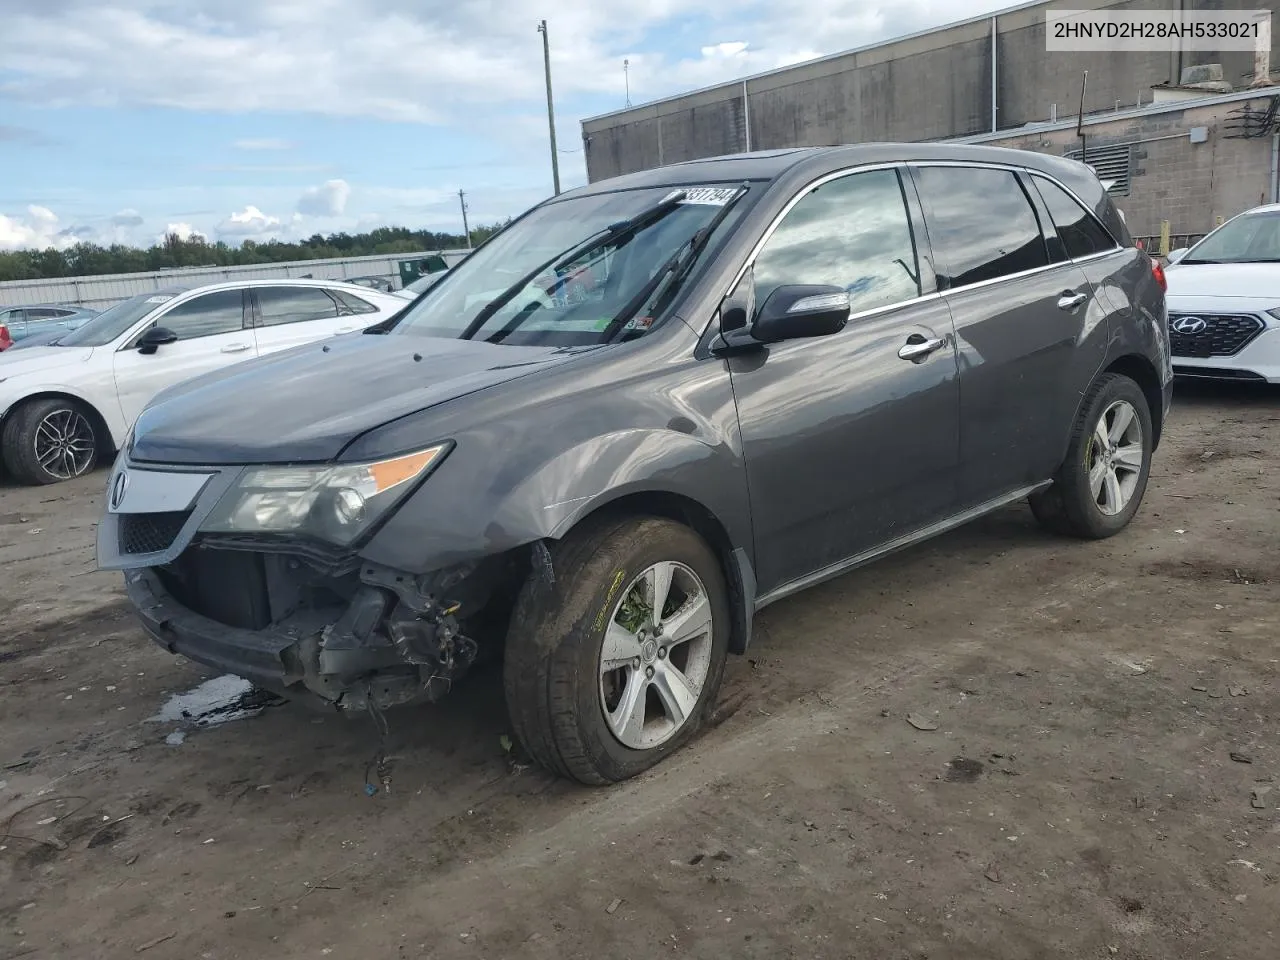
[599, 688]
[48, 441]
[1100, 486]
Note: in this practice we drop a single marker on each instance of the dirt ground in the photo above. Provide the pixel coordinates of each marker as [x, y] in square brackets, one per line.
[1078, 797]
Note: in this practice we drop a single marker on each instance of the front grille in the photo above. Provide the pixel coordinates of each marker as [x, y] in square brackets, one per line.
[1223, 335]
[150, 532]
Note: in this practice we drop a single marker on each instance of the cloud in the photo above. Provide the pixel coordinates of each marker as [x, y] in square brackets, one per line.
[249, 222]
[327, 200]
[265, 143]
[24, 135]
[127, 218]
[474, 68]
[392, 59]
[36, 231]
[184, 231]
[724, 50]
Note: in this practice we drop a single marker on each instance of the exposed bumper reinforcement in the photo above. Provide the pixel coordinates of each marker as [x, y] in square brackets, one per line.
[267, 658]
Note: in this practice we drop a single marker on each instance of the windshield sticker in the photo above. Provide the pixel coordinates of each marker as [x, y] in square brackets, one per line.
[709, 196]
[160, 298]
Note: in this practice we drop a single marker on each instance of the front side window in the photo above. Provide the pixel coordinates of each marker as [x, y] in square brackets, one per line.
[206, 316]
[1249, 238]
[981, 224]
[280, 305]
[1081, 234]
[853, 233]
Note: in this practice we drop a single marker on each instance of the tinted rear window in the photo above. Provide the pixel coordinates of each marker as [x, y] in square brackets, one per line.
[1081, 233]
[981, 224]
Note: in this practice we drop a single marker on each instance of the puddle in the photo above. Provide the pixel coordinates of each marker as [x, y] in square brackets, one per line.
[216, 701]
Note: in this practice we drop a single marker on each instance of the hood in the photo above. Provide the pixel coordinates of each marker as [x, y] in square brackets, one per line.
[16, 362]
[1257, 280]
[308, 403]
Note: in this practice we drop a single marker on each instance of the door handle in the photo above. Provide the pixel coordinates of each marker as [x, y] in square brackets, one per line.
[1070, 300]
[346, 329]
[235, 348]
[917, 348]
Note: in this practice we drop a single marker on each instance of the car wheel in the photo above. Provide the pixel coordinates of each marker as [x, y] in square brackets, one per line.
[1100, 486]
[615, 655]
[48, 441]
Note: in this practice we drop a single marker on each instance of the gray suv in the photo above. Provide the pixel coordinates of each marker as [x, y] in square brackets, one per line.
[643, 411]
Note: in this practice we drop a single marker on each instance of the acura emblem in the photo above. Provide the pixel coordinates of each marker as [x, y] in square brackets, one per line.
[1190, 325]
[118, 489]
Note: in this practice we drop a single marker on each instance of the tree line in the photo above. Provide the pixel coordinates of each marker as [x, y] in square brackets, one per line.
[90, 259]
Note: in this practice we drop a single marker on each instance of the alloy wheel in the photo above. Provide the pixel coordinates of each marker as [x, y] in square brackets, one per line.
[656, 655]
[65, 444]
[1115, 457]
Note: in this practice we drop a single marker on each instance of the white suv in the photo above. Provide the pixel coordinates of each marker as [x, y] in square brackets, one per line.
[67, 405]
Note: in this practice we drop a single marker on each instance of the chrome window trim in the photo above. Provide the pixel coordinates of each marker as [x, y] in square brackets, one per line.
[898, 165]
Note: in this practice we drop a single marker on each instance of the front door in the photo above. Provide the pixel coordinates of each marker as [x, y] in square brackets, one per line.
[850, 440]
[212, 333]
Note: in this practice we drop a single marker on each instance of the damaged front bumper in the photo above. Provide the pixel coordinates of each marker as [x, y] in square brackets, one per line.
[299, 618]
[377, 651]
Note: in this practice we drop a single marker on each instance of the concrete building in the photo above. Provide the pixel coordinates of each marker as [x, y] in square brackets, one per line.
[991, 79]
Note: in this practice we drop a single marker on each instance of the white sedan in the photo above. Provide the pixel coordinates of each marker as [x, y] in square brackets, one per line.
[1224, 301]
[65, 406]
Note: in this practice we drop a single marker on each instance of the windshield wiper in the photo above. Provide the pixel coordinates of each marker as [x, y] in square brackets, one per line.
[672, 273]
[611, 233]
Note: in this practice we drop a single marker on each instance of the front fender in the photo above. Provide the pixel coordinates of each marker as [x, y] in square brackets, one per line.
[455, 517]
[13, 394]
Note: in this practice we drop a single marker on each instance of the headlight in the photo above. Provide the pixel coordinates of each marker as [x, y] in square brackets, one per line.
[335, 503]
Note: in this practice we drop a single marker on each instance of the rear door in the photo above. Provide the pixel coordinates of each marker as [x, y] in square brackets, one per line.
[1022, 323]
[289, 316]
[851, 441]
[213, 332]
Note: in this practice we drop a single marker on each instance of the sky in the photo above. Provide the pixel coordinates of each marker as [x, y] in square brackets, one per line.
[121, 120]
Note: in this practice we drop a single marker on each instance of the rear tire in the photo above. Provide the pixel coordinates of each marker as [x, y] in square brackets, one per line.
[1100, 485]
[48, 441]
[597, 701]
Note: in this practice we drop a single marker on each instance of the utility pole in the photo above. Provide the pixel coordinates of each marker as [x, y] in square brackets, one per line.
[462, 200]
[551, 111]
[626, 78]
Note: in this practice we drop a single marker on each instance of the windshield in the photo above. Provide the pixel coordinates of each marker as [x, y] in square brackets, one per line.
[111, 323]
[1252, 238]
[575, 303]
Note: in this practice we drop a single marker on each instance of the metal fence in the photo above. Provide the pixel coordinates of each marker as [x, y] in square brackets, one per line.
[1176, 242]
[102, 291]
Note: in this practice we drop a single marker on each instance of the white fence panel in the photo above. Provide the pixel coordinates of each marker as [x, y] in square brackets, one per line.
[100, 292]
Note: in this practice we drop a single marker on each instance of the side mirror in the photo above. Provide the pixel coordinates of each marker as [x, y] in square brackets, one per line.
[801, 310]
[155, 338]
[1176, 255]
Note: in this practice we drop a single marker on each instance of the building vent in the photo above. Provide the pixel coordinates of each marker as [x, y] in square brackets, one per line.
[1112, 163]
